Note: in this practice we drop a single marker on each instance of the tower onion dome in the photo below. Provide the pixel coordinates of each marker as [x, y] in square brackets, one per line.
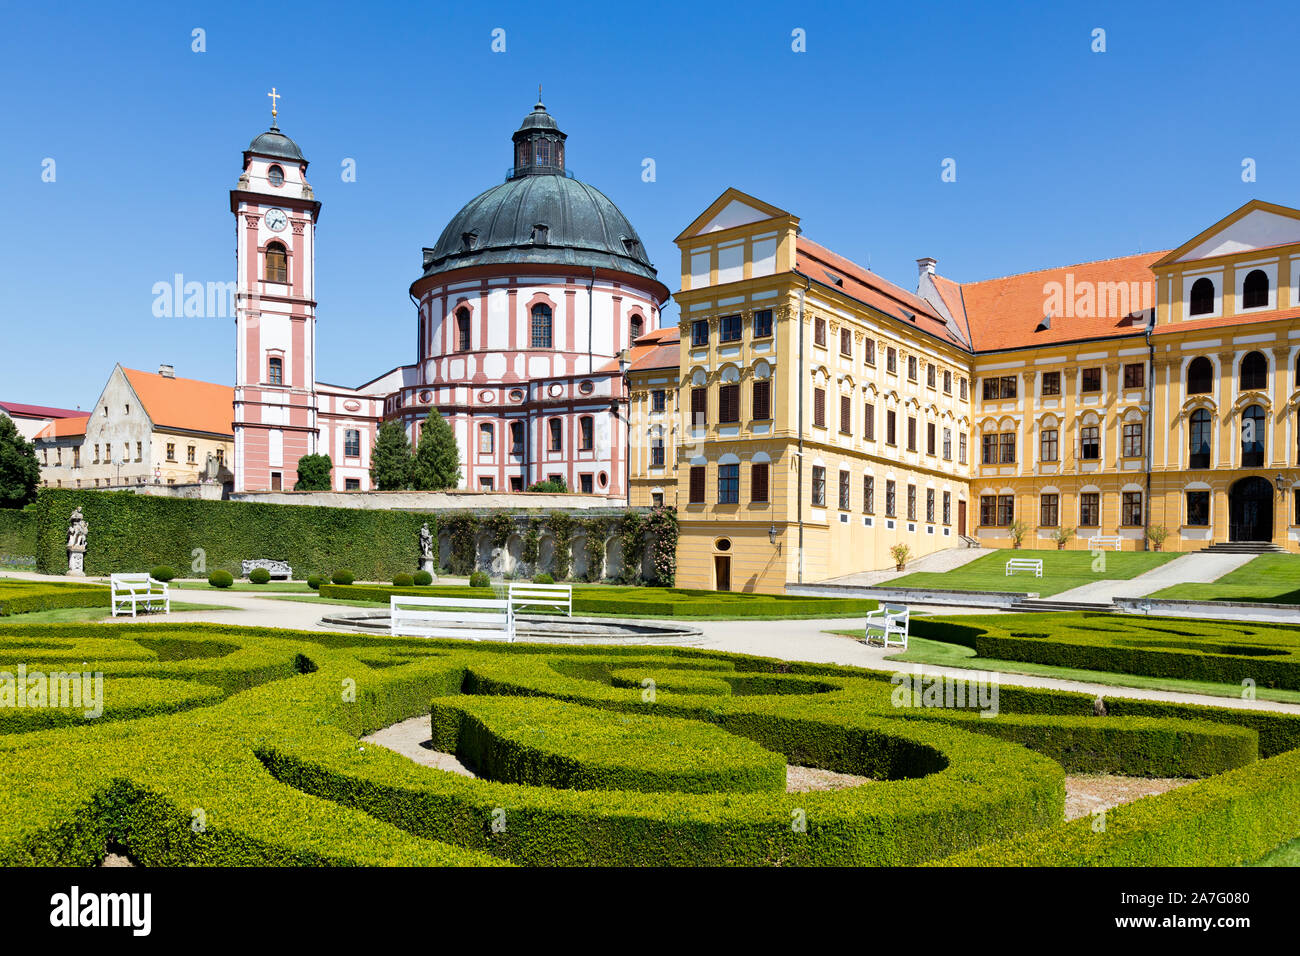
[275, 145]
[540, 214]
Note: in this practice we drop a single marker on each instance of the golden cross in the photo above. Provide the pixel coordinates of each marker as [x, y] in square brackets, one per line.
[274, 96]
[539, 92]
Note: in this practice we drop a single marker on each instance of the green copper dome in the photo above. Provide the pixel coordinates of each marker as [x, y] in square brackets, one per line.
[275, 145]
[540, 214]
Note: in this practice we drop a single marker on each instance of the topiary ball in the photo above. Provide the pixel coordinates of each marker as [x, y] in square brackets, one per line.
[343, 576]
[479, 579]
[422, 578]
[313, 581]
[221, 579]
[402, 580]
[259, 575]
[543, 578]
[162, 573]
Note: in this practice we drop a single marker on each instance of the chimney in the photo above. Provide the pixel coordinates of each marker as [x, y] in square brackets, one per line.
[167, 371]
[925, 266]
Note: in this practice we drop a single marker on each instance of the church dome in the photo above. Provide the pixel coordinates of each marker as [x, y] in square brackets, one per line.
[276, 145]
[540, 214]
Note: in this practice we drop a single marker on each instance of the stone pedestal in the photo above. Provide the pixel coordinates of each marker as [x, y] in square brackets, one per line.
[77, 562]
[426, 564]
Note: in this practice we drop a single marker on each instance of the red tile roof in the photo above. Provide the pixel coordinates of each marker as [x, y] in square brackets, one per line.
[658, 349]
[38, 411]
[1233, 321]
[65, 427]
[1006, 313]
[185, 404]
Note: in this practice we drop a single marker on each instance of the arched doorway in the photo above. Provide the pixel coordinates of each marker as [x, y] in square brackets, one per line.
[1250, 510]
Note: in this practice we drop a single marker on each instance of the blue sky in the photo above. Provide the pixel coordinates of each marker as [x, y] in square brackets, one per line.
[1063, 155]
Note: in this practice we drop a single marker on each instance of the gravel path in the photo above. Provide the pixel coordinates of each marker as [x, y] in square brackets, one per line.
[1086, 794]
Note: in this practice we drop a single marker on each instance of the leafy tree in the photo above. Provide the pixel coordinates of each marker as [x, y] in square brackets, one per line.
[390, 463]
[437, 459]
[555, 486]
[19, 471]
[314, 473]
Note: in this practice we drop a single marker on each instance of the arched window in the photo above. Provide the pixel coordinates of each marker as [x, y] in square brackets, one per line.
[1252, 437]
[275, 176]
[351, 443]
[541, 327]
[463, 343]
[586, 433]
[635, 327]
[516, 438]
[275, 370]
[486, 439]
[277, 263]
[557, 434]
[1254, 371]
[1198, 441]
[1200, 376]
[1202, 297]
[1254, 292]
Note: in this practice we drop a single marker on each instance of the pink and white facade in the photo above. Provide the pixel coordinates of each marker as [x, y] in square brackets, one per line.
[525, 304]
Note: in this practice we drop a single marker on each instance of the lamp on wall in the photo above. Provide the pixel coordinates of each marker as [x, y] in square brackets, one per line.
[1280, 482]
[771, 534]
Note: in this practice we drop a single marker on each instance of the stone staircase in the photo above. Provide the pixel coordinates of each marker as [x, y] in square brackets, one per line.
[1245, 547]
[1031, 605]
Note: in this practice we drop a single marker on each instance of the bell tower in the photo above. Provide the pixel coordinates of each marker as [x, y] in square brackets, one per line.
[275, 407]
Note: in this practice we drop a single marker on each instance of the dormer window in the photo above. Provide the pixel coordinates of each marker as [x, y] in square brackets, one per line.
[468, 240]
[277, 263]
[275, 176]
[631, 246]
[541, 234]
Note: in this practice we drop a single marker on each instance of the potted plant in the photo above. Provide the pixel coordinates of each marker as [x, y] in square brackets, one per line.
[901, 553]
[1156, 534]
[1017, 530]
[1062, 537]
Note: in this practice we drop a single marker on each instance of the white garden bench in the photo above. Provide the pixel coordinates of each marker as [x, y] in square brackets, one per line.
[451, 617]
[130, 591]
[1025, 564]
[558, 597]
[889, 623]
[1105, 541]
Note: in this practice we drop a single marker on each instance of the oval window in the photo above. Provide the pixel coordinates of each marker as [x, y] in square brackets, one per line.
[586, 388]
[275, 176]
[517, 395]
[723, 544]
[603, 479]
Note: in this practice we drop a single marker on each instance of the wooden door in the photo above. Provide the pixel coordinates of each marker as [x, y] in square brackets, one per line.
[722, 572]
[961, 518]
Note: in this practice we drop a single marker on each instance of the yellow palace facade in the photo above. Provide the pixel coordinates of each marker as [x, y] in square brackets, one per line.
[808, 417]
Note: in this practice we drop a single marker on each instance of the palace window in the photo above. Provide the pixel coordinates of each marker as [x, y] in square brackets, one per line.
[762, 400]
[846, 415]
[277, 263]
[818, 486]
[1091, 380]
[998, 387]
[961, 448]
[1198, 440]
[463, 341]
[729, 403]
[999, 449]
[891, 427]
[1202, 298]
[947, 444]
[516, 438]
[1252, 437]
[1049, 510]
[930, 372]
[699, 406]
[997, 510]
[658, 400]
[947, 507]
[729, 328]
[1198, 508]
[819, 332]
[486, 439]
[657, 450]
[697, 485]
[844, 490]
[961, 388]
[1133, 440]
[911, 368]
[557, 434]
[947, 381]
[1051, 383]
[869, 494]
[635, 326]
[1254, 291]
[1200, 376]
[891, 499]
[171, 451]
[728, 484]
[929, 505]
[699, 333]
[1090, 509]
[911, 433]
[891, 360]
[190, 452]
[869, 351]
[1134, 375]
[1254, 372]
[846, 342]
[1131, 509]
[541, 327]
[758, 482]
[275, 370]
[586, 433]
[1049, 448]
[819, 408]
[930, 432]
[352, 443]
[911, 502]
[763, 324]
[1090, 443]
[869, 422]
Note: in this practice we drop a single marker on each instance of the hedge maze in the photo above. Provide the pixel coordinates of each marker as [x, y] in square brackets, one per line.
[18, 596]
[229, 746]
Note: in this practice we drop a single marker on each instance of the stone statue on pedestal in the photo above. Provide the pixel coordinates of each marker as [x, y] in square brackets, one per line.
[77, 529]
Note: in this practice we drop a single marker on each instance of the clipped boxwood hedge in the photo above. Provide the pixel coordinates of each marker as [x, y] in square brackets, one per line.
[20, 596]
[1224, 651]
[18, 536]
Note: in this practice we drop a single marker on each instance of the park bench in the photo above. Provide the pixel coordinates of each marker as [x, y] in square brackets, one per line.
[451, 617]
[130, 591]
[889, 624]
[1025, 564]
[558, 597]
[1105, 541]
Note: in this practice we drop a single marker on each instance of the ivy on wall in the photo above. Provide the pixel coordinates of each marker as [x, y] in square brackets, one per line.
[532, 550]
[462, 530]
[661, 528]
[597, 535]
[631, 541]
[560, 525]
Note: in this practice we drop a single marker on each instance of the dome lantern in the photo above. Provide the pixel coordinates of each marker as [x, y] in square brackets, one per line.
[538, 146]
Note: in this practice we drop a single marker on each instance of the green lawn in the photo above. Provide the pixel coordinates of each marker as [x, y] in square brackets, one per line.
[81, 615]
[1062, 570]
[1269, 578]
[1288, 854]
[291, 587]
[920, 650]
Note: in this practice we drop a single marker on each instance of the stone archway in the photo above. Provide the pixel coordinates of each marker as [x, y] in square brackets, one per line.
[1250, 510]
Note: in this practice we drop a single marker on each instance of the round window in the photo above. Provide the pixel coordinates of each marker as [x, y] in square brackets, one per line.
[586, 388]
[723, 544]
[517, 395]
[275, 176]
[603, 479]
